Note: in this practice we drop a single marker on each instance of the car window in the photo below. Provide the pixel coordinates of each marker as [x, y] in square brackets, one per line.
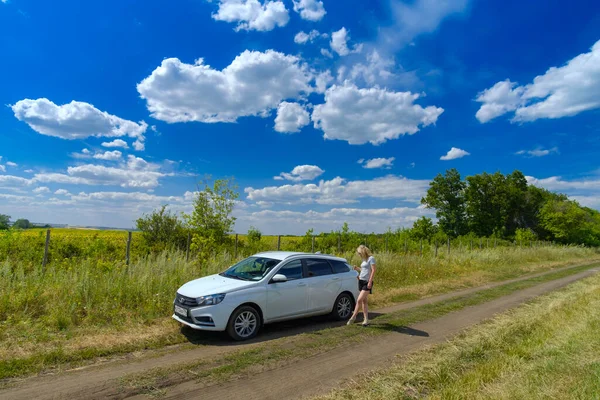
[318, 267]
[251, 268]
[339, 267]
[292, 270]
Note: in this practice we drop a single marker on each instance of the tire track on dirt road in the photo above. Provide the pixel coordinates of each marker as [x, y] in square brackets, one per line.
[322, 373]
[99, 381]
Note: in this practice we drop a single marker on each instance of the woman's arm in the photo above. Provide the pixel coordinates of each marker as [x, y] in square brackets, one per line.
[373, 268]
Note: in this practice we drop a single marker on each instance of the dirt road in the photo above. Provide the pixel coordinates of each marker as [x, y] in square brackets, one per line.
[307, 377]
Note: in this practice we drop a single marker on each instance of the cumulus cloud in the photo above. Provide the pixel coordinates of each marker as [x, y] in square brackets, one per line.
[62, 192]
[252, 14]
[41, 189]
[301, 173]
[370, 115]
[538, 152]
[116, 143]
[291, 117]
[302, 37]
[454, 153]
[2, 168]
[311, 10]
[76, 120]
[561, 92]
[252, 85]
[339, 43]
[340, 191]
[385, 163]
[109, 155]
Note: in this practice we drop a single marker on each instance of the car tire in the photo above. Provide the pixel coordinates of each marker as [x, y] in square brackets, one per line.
[343, 307]
[244, 323]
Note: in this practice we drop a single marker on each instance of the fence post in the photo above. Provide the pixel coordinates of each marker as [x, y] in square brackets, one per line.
[278, 242]
[436, 247]
[313, 244]
[448, 246]
[128, 248]
[187, 247]
[339, 243]
[480, 243]
[236, 245]
[45, 260]
[386, 240]
[405, 246]
[421, 247]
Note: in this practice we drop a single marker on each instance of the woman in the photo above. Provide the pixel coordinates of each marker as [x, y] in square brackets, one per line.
[365, 283]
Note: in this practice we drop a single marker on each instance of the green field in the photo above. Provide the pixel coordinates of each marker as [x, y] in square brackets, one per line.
[86, 307]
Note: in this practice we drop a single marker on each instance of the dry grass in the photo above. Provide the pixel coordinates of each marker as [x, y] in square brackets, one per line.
[547, 349]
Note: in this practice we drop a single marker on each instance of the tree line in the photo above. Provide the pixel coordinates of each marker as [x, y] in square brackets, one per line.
[506, 206]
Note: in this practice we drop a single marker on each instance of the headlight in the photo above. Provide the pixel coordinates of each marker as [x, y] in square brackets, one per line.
[210, 300]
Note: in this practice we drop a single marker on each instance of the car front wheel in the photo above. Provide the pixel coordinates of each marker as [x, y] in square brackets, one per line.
[343, 307]
[244, 323]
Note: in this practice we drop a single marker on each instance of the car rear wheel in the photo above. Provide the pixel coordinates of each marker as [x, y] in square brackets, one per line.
[343, 307]
[244, 323]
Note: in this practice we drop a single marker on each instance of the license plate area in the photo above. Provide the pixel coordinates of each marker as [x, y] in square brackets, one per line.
[181, 311]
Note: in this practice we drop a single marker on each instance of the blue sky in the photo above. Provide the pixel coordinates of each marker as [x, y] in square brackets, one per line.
[323, 111]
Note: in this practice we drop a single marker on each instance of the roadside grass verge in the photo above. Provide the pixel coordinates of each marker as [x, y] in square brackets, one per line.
[282, 351]
[546, 349]
[66, 316]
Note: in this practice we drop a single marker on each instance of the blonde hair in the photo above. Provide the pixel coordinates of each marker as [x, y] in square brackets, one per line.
[364, 252]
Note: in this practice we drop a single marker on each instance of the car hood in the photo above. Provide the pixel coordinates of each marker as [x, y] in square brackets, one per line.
[212, 284]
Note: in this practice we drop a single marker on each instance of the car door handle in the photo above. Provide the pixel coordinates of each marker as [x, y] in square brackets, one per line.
[302, 284]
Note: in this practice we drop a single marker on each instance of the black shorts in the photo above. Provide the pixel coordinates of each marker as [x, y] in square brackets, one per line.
[363, 285]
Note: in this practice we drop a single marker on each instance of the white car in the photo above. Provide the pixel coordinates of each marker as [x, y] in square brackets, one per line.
[268, 287]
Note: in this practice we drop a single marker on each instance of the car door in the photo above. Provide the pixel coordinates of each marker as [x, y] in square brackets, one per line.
[323, 284]
[286, 299]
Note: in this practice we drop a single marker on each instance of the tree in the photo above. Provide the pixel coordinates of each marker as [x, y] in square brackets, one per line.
[570, 223]
[254, 235]
[212, 220]
[4, 222]
[446, 194]
[161, 229]
[423, 228]
[22, 224]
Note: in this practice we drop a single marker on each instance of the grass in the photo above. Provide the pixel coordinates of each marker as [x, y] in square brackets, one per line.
[68, 315]
[547, 349]
[282, 351]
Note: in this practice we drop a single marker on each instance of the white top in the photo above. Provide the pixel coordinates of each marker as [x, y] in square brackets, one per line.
[365, 269]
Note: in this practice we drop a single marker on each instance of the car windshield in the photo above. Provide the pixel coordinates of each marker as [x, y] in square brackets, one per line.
[251, 268]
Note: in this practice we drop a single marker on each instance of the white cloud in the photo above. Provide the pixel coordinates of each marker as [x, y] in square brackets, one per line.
[556, 183]
[411, 19]
[135, 173]
[340, 191]
[62, 192]
[322, 81]
[301, 173]
[538, 152]
[139, 145]
[252, 14]
[252, 85]
[311, 10]
[116, 143]
[326, 53]
[302, 37]
[376, 69]
[12, 164]
[2, 168]
[339, 43]
[360, 219]
[385, 163]
[561, 92]
[41, 189]
[454, 153]
[370, 115]
[291, 117]
[13, 181]
[109, 155]
[76, 120]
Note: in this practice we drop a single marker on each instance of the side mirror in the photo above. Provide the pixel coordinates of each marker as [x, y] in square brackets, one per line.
[279, 278]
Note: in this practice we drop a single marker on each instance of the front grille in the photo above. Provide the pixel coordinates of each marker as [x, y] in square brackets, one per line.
[185, 301]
